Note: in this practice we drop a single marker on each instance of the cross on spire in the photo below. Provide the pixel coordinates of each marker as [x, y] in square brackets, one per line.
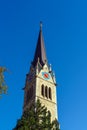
[40, 25]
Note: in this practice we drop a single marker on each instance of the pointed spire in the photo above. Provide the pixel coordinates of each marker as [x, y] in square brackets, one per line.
[40, 52]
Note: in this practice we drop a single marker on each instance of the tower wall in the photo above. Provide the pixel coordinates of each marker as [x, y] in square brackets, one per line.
[40, 81]
[49, 103]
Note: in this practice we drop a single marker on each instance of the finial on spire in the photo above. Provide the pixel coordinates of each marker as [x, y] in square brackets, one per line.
[40, 25]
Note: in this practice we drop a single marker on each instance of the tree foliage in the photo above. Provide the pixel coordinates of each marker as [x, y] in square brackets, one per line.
[3, 86]
[36, 118]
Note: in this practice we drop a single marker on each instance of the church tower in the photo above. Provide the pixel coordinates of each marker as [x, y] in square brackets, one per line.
[40, 81]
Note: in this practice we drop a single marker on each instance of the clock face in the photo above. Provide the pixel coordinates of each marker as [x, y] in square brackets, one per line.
[46, 75]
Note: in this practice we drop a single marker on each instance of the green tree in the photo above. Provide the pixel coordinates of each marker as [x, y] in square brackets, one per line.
[36, 118]
[55, 125]
[3, 86]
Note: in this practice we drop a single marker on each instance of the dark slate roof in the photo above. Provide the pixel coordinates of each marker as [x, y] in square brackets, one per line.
[40, 50]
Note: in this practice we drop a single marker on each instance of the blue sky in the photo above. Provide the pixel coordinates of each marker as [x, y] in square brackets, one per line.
[65, 36]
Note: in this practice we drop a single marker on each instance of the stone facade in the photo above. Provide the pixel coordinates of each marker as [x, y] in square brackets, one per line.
[34, 87]
[40, 81]
[49, 103]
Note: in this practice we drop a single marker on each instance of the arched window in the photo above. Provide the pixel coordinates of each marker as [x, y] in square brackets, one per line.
[30, 93]
[42, 90]
[50, 93]
[46, 91]
[49, 113]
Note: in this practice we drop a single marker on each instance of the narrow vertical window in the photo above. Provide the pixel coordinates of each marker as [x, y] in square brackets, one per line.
[31, 91]
[42, 90]
[50, 93]
[46, 91]
[28, 96]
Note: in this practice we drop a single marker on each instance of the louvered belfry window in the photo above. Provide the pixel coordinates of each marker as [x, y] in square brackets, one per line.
[50, 93]
[42, 90]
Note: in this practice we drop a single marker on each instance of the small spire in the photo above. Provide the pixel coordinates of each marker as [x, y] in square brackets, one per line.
[54, 77]
[40, 25]
[50, 68]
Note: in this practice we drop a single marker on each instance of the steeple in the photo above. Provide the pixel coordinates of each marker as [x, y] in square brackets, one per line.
[40, 81]
[40, 53]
